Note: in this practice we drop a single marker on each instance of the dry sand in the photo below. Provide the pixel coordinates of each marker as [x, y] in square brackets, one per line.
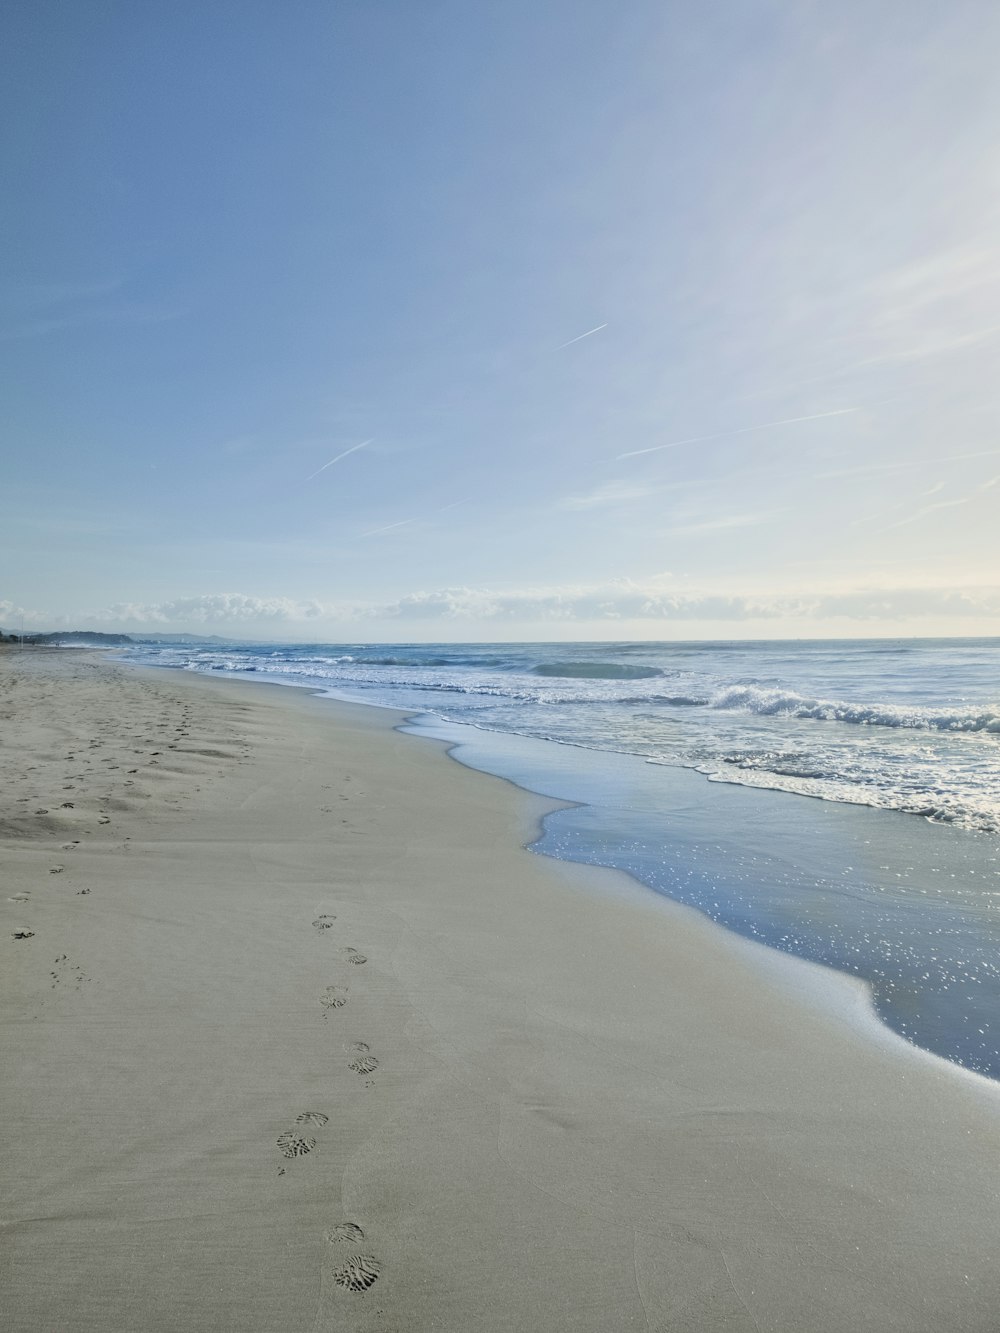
[536, 1097]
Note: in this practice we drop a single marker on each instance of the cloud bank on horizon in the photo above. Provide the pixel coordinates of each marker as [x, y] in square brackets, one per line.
[536, 299]
[649, 609]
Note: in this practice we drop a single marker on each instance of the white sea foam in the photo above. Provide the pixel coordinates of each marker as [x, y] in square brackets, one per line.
[772, 702]
[911, 727]
[897, 725]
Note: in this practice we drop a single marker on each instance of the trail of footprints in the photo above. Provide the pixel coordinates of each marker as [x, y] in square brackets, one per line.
[67, 972]
[169, 728]
[353, 1270]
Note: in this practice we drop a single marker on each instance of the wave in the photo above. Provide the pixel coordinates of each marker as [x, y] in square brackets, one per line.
[673, 700]
[786, 703]
[782, 763]
[430, 661]
[389, 661]
[595, 671]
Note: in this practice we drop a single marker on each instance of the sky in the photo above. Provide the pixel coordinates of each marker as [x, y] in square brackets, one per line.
[422, 320]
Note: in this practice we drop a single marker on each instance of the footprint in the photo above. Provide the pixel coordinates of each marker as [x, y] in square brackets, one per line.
[324, 922]
[316, 1118]
[21, 933]
[81, 892]
[334, 997]
[18, 898]
[67, 971]
[104, 820]
[56, 870]
[364, 1064]
[345, 1232]
[295, 1145]
[358, 1273]
[356, 1047]
[352, 956]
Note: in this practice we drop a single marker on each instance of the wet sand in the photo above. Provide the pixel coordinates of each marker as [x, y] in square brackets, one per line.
[298, 1037]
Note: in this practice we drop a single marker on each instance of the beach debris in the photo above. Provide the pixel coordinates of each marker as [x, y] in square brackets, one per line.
[358, 1273]
[295, 1145]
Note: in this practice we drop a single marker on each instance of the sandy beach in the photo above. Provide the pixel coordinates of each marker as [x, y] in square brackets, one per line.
[298, 1036]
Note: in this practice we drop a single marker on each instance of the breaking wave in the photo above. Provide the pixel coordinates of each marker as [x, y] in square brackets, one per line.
[786, 703]
[596, 671]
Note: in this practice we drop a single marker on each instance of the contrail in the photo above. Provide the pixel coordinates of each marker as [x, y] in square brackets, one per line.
[582, 335]
[401, 524]
[403, 521]
[727, 434]
[353, 449]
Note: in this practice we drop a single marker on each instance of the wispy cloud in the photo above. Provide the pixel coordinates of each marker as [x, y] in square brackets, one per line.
[723, 523]
[610, 493]
[929, 509]
[43, 295]
[940, 304]
[353, 450]
[119, 316]
[373, 532]
[933, 344]
[580, 337]
[924, 510]
[33, 310]
[744, 430]
[904, 464]
[388, 527]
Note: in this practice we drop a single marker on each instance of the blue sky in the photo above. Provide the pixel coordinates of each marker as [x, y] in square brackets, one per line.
[243, 239]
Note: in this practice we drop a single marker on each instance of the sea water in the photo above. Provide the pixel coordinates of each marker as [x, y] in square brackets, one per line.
[892, 875]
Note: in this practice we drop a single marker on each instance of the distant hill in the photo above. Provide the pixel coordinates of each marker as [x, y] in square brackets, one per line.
[95, 639]
[83, 637]
[181, 638]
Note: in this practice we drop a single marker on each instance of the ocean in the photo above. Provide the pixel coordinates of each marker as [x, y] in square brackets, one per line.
[689, 765]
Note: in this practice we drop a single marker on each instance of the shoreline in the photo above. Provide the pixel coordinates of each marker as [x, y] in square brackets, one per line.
[841, 995]
[588, 1111]
[829, 992]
